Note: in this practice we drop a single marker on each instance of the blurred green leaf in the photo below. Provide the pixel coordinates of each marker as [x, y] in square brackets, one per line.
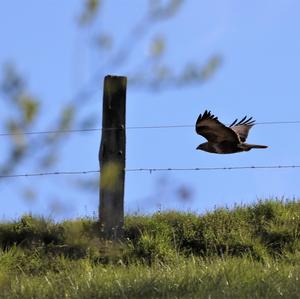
[16, 130]
[67, 117]
[12, 83]
[29, 107]
[173, 7]
[89, 11]
[212, 65]
[161, 10]
[157, 47]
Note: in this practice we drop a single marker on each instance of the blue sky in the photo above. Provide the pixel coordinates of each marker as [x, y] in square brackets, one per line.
[259, 76]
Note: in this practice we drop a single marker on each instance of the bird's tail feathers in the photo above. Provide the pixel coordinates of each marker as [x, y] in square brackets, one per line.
[255, 146]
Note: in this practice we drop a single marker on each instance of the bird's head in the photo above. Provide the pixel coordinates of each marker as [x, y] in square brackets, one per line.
[200, 147]
[207, 147]
[204, 147]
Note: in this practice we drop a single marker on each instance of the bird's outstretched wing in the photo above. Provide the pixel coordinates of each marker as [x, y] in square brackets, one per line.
[213, 130]
[242, 127]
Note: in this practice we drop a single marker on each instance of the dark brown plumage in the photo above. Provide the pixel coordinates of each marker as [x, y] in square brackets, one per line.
[222, 139]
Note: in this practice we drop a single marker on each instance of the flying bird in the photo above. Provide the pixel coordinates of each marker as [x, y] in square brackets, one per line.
[222, 139]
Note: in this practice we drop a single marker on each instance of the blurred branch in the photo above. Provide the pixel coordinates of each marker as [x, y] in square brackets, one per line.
[162, 77]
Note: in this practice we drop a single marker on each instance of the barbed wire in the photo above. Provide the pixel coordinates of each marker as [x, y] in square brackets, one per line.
[132, 128]
[150, 170]
[48, 173]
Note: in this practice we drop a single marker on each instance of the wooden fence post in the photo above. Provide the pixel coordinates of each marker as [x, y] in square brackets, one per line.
[112, 158]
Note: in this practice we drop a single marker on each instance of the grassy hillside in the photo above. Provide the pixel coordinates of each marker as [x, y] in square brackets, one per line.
[248, 252]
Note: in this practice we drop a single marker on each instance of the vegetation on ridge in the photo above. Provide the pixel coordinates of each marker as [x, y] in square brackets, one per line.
[247, 252]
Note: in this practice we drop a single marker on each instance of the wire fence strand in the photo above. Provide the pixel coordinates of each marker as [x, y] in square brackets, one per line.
[48, 173]
[131, 128]
[151, 170]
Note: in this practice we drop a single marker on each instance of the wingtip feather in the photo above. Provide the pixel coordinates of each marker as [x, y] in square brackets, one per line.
[244, 121]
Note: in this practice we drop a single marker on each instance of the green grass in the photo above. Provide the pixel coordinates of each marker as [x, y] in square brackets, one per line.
[247, 252]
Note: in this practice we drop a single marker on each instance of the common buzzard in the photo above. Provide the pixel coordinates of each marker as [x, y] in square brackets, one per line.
[222, 139]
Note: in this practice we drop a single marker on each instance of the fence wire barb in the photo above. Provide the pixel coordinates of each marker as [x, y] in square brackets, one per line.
[132, 128]
[150, 170]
